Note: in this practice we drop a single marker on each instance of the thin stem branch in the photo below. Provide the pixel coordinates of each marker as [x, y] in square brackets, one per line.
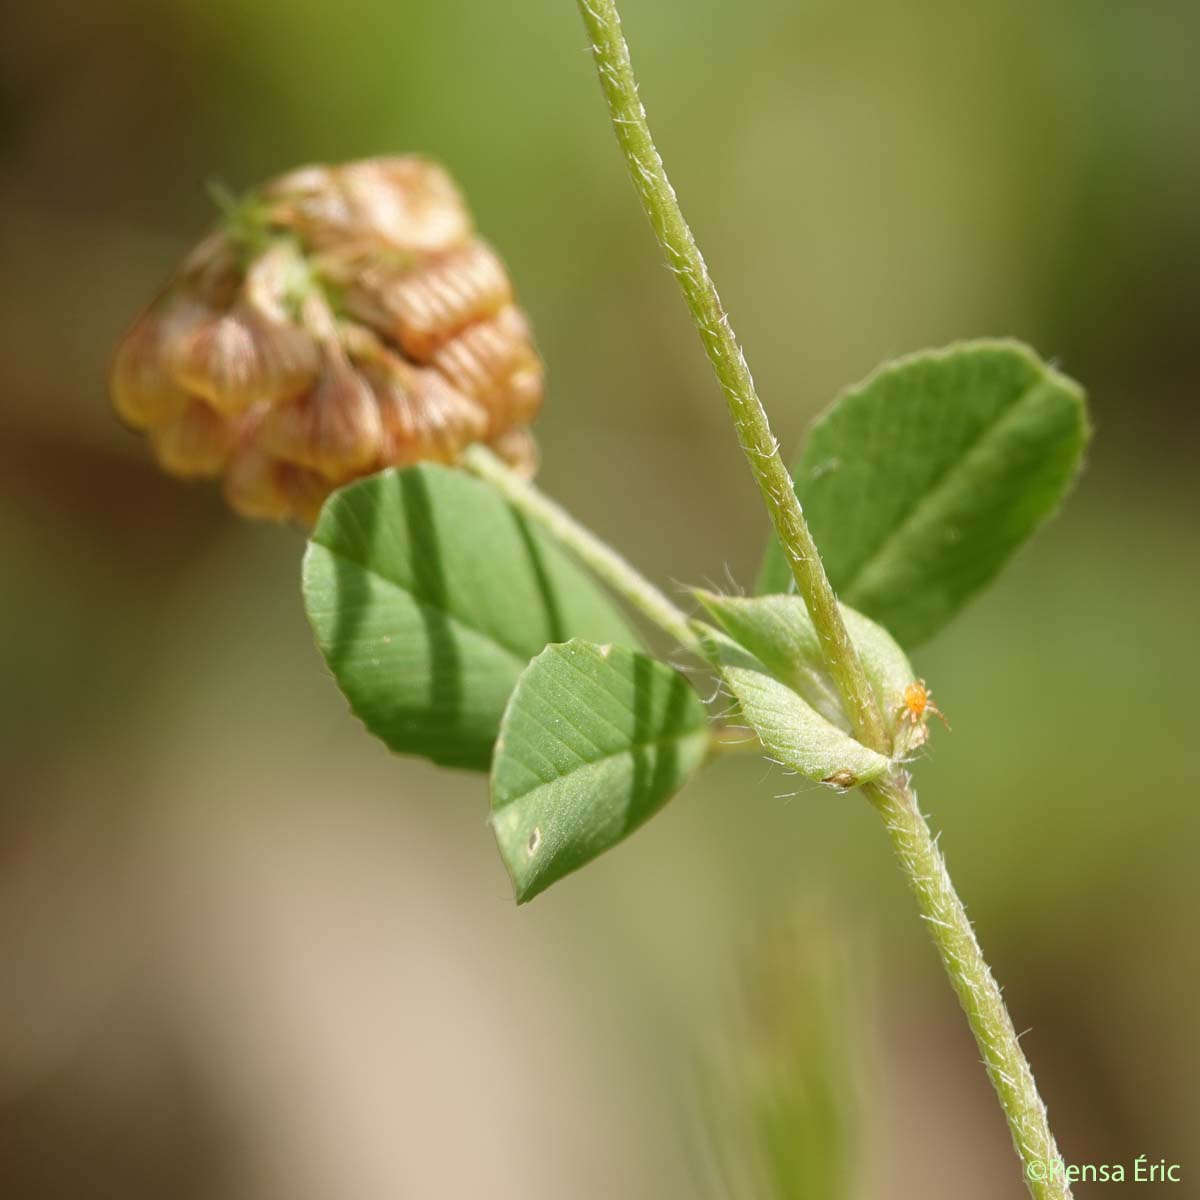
[617, 572]
[725, 354]
[607, 564]
[977, 990]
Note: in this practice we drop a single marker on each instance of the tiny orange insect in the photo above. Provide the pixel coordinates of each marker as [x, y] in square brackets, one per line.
[918, 703]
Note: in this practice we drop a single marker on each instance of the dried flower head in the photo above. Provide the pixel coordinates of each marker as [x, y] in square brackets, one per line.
[342, 319]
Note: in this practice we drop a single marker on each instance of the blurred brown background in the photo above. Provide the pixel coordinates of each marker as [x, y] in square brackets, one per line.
[245, 954]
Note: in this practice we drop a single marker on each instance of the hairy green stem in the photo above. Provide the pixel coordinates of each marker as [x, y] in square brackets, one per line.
[915, 848]
[602, 559]
[977, 991]
[725, 354]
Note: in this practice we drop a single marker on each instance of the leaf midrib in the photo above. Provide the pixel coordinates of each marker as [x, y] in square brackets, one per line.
[940, 485]
[594, 762]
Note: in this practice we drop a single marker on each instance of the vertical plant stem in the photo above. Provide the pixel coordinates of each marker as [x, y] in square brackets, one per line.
[977, 990]
[725, 354]
[915, 849]
[607, 564]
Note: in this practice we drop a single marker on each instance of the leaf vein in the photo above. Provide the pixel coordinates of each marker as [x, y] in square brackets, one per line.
[940, 485]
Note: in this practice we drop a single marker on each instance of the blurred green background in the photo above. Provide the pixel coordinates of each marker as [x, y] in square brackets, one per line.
[245, 954]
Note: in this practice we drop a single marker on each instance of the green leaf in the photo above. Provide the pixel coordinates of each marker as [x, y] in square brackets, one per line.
[428, 595]
[778, 631]
[594, 741]
[922, 481]
[794, 733]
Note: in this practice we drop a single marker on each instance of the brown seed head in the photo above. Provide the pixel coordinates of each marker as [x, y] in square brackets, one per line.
[343, 319]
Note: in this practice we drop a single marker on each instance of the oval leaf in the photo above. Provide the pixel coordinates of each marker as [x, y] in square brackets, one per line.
[428, 595]
[778, 631]
[594, 741]
[922, 481]
[794, 733]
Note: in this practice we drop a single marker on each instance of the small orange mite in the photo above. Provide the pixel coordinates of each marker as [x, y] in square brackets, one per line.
[918, 704]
